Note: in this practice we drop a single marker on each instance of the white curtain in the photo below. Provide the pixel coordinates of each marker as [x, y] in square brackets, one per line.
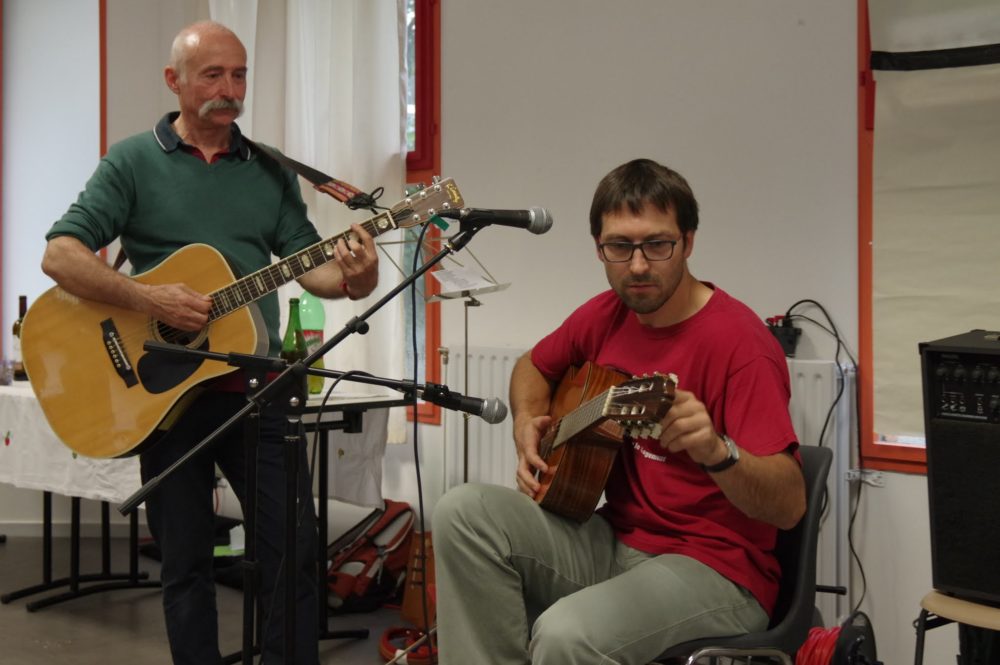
[328, 89]
[936, 198]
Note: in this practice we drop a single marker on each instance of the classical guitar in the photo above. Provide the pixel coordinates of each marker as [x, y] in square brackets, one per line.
[105, 397]
[593, 409]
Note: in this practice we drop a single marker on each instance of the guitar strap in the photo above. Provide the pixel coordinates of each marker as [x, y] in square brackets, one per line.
[344, 192]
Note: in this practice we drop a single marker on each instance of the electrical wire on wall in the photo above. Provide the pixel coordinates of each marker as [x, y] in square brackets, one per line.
[832, 330]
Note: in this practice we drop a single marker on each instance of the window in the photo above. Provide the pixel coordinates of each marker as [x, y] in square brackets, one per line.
[927, 203]
[423, 20]
[423, 60]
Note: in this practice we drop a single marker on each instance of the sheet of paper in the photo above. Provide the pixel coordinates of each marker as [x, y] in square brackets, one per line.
[460, 279]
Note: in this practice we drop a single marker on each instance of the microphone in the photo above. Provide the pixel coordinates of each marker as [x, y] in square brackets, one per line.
[536, 220]
[491, 410]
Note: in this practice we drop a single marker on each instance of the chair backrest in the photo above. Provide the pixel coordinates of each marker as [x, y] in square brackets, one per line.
[796, 550]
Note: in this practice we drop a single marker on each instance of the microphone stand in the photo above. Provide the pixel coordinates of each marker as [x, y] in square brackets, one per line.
[470, 301]
[292, 391]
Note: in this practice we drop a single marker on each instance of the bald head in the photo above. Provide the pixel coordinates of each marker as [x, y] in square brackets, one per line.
[208, 73]
[191, 39]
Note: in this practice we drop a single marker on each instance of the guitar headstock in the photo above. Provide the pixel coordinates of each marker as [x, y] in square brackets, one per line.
[640, 403]
[420, 206]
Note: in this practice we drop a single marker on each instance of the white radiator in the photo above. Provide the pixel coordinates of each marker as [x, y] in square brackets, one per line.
[491, 454]
[492, 459]
[815, 384]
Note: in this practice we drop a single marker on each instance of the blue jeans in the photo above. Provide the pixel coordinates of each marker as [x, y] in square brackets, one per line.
[180, 514]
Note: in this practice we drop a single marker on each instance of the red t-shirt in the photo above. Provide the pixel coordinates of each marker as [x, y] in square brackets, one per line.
[662, 502]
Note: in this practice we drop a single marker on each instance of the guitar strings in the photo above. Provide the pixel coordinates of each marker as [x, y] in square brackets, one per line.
[585, 414]
[256, 285]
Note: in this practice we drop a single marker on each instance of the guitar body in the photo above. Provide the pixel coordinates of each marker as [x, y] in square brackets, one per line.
[101, 393]
[578, 469]
[104, 396]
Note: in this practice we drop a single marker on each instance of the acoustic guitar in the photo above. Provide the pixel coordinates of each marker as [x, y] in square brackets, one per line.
[593, 409]
[105, 397]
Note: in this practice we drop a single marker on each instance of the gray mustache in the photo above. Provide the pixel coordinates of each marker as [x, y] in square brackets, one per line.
[221, 105]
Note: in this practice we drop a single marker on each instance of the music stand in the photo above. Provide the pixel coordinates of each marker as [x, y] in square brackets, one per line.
[459, 282]
[474, 285]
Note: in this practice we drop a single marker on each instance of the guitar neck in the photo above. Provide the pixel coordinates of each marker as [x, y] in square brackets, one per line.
[255, 286]
[588, 414]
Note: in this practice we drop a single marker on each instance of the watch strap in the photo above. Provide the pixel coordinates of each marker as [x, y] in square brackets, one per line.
[730, 460]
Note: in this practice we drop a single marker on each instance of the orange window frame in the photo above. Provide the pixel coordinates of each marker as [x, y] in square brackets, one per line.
[874, 455]
[422, 164]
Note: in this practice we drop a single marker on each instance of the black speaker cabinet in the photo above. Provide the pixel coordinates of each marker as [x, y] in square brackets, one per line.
[961, 382]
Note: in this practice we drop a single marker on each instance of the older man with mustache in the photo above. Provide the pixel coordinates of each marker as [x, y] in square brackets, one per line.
[195, 178]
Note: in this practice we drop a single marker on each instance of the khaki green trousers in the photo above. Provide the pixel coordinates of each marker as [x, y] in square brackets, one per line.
[518, 585]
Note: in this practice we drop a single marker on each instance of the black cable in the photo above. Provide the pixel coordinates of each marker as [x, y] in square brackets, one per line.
[841, 385]
[832, 330]
[841, 378]
[421, 546]
[302, 509]
[854, 553]
[366, 201]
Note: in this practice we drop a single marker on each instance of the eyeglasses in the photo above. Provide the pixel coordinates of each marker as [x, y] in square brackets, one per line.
[652, 250]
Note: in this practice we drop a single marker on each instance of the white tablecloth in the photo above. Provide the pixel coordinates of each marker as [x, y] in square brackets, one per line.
[32, 457]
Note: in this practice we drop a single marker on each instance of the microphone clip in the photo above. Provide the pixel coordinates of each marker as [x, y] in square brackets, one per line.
[439, 394]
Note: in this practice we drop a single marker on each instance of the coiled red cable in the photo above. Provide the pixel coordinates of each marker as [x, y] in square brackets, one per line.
[819, 647]
[395, 640]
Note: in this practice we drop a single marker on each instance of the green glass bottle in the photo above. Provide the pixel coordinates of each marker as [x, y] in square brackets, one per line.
[293, 345]
[313, 318]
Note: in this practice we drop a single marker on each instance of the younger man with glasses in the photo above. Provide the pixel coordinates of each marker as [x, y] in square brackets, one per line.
[682, 547]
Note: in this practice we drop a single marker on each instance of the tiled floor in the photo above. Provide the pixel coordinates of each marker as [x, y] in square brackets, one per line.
[126, 626]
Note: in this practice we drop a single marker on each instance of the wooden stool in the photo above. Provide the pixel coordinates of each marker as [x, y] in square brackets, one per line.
[940, 609]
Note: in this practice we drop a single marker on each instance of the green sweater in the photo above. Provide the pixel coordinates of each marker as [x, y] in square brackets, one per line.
[159, 198]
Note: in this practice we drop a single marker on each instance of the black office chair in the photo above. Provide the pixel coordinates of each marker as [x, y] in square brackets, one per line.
[795, 610]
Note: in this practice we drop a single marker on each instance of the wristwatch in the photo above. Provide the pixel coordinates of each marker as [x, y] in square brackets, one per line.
[733, 458]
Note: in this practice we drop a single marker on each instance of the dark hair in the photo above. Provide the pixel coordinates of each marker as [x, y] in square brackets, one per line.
[634, 184]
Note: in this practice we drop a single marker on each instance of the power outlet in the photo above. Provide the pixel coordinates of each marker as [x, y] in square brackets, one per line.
[786, 334]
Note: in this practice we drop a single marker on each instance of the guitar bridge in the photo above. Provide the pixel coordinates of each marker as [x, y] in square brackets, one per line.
[116, 353]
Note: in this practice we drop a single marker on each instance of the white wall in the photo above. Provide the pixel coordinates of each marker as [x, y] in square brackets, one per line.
[51, 130]
[51, 145]
[753, 102]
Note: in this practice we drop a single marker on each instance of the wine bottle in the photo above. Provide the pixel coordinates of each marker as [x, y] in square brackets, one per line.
[293, 345]
[18, 361]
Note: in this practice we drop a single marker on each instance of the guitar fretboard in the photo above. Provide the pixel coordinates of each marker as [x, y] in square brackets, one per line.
[584, 416]
[257, 285]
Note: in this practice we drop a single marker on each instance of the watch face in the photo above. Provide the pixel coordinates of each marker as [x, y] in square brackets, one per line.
[734, 452]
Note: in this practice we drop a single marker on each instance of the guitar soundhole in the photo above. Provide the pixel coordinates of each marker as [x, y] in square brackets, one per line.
[160, 372]
[192, 339]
